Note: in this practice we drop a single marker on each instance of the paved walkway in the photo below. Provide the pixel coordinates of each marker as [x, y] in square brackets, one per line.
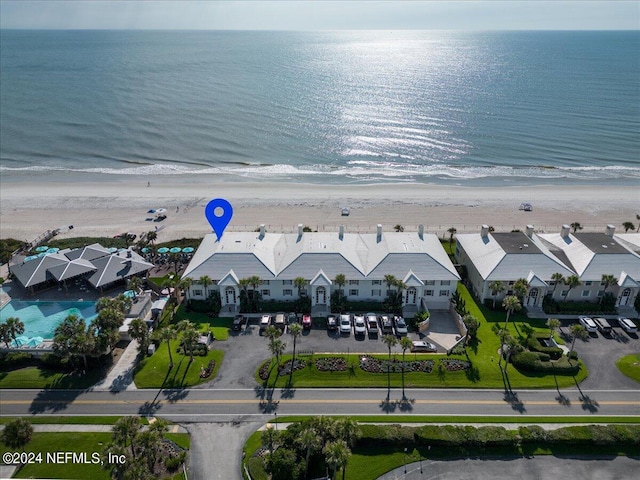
[121, 375]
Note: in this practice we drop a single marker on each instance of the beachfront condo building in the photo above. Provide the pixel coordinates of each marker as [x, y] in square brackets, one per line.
[415, 258]
[538, 257]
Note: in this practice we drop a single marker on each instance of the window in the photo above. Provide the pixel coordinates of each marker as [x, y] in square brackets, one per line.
[587, 284]
[511, 283]
[197, 293]
[376, 293]
[444, 293]
[214, 282]
[564, 293]
[602, 284]
[585, 293]
[552, 283]
[287, 292]
[264, 282]
[445, 282]
[429, 293]
[430, 282]
[376, 282]
[509, 292]
[354, 282]
[600, 293]
[266, 293]
[353, 292]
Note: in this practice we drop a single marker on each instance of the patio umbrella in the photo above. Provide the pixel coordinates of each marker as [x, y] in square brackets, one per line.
[151, 211]
[112, 249]
[163, 250]
[41, 254]
[167, 291]
[161, 210]
[188, 250]
[145, 250]
[42, 248]
[30, 257]
[129, 293]
[175, 250]
[53, 250]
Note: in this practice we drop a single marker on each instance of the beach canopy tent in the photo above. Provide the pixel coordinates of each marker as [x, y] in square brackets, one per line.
[94, 262]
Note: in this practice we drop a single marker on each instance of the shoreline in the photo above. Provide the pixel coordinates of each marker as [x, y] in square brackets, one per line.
[107, 209]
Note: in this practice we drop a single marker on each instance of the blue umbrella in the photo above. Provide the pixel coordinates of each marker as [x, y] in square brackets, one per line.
[145, 250]
[41, 254]
[42, 248]
[188, 250]
[112, 249]
[30, 257]
[129, 293]
[53, 250]
[163, 250]
[175, 250]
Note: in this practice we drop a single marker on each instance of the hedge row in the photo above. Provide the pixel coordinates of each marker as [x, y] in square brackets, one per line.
[539, 362]
[533, 343]
[496, 436]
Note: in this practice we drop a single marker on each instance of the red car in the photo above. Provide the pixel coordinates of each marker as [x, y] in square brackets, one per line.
[306, 322]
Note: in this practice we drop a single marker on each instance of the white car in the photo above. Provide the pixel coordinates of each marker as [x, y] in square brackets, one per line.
[422, 346]
[345, 324]
[627, 325]
[265, 321]
[359, 327]
[589, 324]
[401, 326]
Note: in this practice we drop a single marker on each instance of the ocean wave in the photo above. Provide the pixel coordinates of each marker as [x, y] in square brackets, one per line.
[358, 170]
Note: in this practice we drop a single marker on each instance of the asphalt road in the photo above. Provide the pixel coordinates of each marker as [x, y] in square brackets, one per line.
[207, 405]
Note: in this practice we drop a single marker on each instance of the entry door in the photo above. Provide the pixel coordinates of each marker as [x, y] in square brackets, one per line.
[533, 297]
[410, 298]
[230, 295]
[321, 296]
[624, 298]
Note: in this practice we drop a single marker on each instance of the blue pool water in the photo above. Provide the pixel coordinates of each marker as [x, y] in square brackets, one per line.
[41, 318]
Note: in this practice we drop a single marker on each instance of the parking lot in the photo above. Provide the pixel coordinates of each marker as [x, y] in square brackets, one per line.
[600, 352]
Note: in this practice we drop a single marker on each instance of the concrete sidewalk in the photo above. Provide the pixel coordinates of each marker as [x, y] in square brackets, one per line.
[54, 427]
[121, 375]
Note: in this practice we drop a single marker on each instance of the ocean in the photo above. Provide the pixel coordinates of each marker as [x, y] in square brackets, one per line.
[343, 107]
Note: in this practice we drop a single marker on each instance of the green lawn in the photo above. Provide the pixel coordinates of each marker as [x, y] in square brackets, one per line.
[40, 377]
[153, 371]
[483, 355]
[467, 419]
[630, 366]
[87, 442]
[219, 326]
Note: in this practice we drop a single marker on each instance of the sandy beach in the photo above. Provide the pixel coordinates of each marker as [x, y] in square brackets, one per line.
[111, 208]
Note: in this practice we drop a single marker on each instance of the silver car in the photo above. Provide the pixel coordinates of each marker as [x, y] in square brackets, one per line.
[627, 325]
[401, 326]
[345, 324]
[422, 346]
[359, 327]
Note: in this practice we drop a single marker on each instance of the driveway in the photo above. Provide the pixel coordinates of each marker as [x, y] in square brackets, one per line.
[600, 353]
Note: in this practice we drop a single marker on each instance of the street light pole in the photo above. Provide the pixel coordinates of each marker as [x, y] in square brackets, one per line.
[276, 420]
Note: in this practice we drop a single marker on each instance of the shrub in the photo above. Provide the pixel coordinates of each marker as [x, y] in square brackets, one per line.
[538, 362]
[17, 433]
[533, 434]
[54, 361]
[552, 306]
[16, 359]
[533, 343]
[389, 435]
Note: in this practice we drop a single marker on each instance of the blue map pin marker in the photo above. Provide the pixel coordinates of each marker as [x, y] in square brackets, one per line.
[218, 212]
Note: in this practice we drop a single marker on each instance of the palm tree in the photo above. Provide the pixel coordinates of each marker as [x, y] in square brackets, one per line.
[270, 438]
[205, 281]
[390, 341]
[340, 280]
[276, 347]
[185, 285]
[398, 228]
[390, 280]
[271, 333]
[190, 338]
[575, 226]
[510, 303]
[451, 231]
[167, 334]
[405, 344]
[557, 279]
[152, 237]
[15, 327]
[607, 281]
[514, 347]
[139, 331]
[577, 331]
[244, 284]
[5, 335]
[336, 455]
[348, 430]
[553, 324]
[628, 226]
[571, 281]
[135, 283]
[520, 287]
[496, 287]
[72, 337]
[124, 433]
[309, 440]
[300, 283]
[255, 282]
[295, 329]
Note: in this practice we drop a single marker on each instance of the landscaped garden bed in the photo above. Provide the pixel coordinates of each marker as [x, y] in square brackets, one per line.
[455, 365]
[377, 365]
[331, 364]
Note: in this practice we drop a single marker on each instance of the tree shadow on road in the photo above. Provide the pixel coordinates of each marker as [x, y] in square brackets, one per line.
[588, 403]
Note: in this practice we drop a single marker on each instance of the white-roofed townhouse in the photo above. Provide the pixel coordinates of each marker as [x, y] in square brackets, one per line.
[319, 257]
[501, 259]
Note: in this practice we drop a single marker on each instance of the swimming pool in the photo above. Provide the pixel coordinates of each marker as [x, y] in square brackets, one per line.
[41, 318]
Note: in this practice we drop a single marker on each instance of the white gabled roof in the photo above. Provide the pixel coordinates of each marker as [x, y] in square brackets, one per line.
[509, 256]
[625, 281]
[320, 279]
[287, 256]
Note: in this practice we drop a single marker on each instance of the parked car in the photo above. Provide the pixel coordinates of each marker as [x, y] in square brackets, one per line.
[332, 322]
[238, 322]
[401, 326]
[627, 325]
[387, 325]
[359, 327]
[306, 322]
[345, 324]
[292, 318]
[372, 324]
[345, 211]
[603, 325]
[589, 324]
[265, 321]
[422, 346]
[280, 322]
